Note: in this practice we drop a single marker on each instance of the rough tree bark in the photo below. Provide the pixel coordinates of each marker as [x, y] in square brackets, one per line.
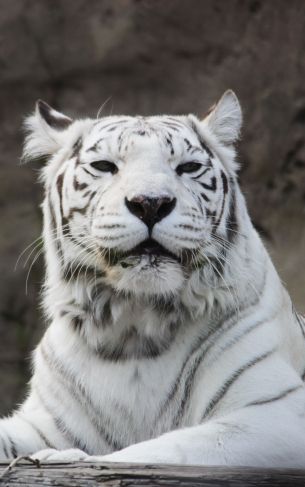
[123, 475]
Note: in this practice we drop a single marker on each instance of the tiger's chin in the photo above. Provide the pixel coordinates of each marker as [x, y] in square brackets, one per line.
[147, 275]
[149, 269]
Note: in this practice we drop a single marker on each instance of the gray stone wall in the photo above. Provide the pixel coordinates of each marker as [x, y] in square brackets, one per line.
[156, 56]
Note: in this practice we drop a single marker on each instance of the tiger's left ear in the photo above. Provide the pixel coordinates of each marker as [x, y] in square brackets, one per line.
[45, 131]
[225, 118]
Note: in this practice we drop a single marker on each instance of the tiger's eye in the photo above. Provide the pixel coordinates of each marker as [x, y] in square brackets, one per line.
[105, 166]
[188, 167]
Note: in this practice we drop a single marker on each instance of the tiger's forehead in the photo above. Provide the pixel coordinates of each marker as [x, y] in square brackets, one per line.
[174, 132]
[141, 126]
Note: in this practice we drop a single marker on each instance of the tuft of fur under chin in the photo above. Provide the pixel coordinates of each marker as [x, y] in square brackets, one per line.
[165, 278]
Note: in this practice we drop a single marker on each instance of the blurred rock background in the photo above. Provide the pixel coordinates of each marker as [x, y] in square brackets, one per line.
[174, 56]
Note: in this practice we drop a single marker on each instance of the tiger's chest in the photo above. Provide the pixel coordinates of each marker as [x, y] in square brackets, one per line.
[136, 399]
[140, 399]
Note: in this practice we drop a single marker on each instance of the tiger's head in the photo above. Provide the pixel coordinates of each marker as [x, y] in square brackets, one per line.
[141, 202]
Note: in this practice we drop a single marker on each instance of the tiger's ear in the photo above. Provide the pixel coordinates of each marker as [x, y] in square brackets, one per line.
[53, 118]
[45, 129]
[225, 118]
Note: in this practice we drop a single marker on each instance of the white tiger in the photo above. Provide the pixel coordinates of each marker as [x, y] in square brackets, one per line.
[171, 337]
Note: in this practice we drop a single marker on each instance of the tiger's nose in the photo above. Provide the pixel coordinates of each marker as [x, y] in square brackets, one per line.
[150, 210]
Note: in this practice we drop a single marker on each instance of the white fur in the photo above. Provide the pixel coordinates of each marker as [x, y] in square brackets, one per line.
[226, 118]
[225, 387]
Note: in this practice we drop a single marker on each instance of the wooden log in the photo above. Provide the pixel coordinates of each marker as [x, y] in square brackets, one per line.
[135, 475]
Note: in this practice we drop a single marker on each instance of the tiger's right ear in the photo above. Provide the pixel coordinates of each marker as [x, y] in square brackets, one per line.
[45, 129]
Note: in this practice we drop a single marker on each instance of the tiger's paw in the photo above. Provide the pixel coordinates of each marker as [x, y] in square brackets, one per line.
[60, 456]
[151, 451]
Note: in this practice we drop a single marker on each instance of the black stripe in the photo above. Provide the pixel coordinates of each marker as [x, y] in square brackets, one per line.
[188, 144]
[120, 140]
[211, 214]
[299, 320]
[82, 210]
[113, 125]
[141, 132]
[217, 222]
[176, 122]
[64, 220]
[202, 173]
[148, 349]
[201, 141]
[191, 148]
[232, 223]
[79, 186]
[114, 225]
[169, 142]
[13, 448]
[43, 437]
[210, 187]
[225, 191]
[77, 323]
[38, 431]
[171, 125]
[94, 147]
[76, 147]
[188, 227]
[224, 182]
[62, 426]
[78, 243]
[232, 379]
[283, 394]
[195, 149]
[204, 196]
[90, 173]
[59, 186]
[243, 334]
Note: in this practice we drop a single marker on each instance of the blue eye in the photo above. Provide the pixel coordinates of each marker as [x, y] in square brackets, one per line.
[105, 166]
[188, 167]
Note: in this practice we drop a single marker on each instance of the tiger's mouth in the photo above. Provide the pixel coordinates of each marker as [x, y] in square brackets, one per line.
[149, 249]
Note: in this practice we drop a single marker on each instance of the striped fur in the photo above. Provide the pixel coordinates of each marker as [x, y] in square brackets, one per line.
[192, 355]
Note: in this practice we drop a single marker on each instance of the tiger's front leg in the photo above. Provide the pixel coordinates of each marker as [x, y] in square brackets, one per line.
[261, 435]
[29, 430]
[18, 437]
[267, 435]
